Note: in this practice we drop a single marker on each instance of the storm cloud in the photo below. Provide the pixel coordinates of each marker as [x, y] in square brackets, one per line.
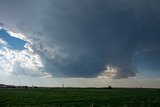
[76, 38]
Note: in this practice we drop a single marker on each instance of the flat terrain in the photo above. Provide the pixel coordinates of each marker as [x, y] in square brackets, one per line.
[80, 97]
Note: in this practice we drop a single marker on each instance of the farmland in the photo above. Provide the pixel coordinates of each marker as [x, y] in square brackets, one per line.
[80, 97]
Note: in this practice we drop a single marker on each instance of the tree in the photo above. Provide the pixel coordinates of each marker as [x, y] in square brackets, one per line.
[109, 87]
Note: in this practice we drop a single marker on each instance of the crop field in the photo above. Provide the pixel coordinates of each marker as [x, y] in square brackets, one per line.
[80, 97]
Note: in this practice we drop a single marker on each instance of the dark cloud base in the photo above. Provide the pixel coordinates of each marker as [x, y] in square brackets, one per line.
[102, 33]
[80, 38]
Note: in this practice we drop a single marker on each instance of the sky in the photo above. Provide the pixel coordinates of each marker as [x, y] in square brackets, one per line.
[80, 43]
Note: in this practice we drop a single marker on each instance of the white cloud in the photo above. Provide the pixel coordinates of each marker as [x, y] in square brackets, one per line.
[2, 42]
[46, 75]
[17, 35]
[28, 46]
[110, 72]
[6, 67]
[24, 62]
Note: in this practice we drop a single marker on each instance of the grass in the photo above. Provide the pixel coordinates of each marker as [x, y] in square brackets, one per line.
[82, 97]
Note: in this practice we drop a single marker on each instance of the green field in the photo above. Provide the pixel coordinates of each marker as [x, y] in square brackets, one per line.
[80, 97]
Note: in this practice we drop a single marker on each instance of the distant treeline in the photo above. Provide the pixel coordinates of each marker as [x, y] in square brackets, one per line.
[109, 87]
[14, 86]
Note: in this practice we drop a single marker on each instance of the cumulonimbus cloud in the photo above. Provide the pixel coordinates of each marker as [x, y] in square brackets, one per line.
[20, 62]
[82, 38]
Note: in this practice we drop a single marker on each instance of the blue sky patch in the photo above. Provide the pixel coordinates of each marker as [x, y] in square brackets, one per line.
[14, 43]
